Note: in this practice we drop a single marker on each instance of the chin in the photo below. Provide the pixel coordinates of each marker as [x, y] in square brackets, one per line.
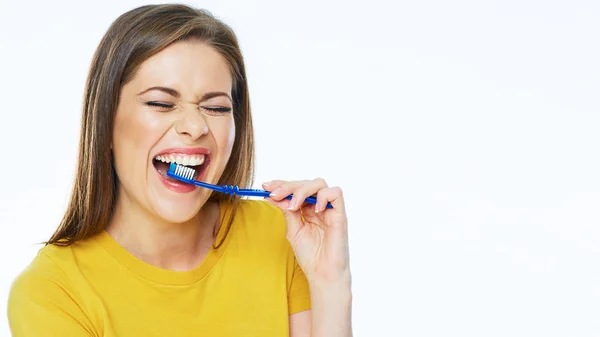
[177, 211]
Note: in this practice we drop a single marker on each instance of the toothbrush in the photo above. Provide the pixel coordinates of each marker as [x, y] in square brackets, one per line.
[186, 174]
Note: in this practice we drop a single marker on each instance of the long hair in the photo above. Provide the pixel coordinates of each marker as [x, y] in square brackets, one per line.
[131, 39]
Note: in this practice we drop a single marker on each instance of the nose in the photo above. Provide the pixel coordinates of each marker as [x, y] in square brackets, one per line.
[191, 124]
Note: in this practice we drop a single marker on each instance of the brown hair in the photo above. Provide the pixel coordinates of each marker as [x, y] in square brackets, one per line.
[130, 40]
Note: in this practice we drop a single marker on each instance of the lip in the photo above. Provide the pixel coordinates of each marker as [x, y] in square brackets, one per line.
[181, 187]
[184, 150]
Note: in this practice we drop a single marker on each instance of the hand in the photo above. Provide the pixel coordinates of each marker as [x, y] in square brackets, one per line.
[318, 235]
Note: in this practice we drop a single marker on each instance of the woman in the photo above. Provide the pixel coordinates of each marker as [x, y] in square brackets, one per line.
[140, 254]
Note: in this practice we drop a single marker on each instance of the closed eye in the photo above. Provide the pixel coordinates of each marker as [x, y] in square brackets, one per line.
[219, 109]
[216, 109]
[160, 105]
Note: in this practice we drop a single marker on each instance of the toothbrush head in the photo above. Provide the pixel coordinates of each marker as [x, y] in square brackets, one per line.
[182, 171]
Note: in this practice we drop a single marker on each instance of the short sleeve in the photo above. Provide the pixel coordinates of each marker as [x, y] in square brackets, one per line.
[299, 292]
[40, 303]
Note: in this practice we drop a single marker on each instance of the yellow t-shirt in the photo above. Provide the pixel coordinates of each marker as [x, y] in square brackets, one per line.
[247, 287]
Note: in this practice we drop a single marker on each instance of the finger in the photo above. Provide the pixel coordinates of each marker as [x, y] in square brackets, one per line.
[332, 195]
[305, 190]
[272, 185]
[285, 189]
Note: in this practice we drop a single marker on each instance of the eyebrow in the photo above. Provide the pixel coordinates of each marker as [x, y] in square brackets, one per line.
[176, 93]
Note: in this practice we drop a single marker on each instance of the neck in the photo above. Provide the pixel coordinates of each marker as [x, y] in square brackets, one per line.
[173, 246]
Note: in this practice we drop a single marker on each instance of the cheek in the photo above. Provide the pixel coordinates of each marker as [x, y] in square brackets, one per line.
[226, 136]
[223, 133]
[135, 132]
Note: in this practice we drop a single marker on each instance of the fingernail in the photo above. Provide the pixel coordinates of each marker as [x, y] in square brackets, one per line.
[293, 204]
[316, 208]
[275, 193]
[268, 183]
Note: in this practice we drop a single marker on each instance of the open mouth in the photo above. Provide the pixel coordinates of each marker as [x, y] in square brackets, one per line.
[198, 162]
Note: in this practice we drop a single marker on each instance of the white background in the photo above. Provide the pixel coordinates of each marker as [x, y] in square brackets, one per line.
[464, 134]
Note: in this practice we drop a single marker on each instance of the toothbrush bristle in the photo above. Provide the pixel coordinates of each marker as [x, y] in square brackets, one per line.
[185, 172]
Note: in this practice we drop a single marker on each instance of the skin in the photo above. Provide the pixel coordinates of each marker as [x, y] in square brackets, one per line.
[174, 230]
[162, 225]
[319, 238]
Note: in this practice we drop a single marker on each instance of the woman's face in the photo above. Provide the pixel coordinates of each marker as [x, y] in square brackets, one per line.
[177, 108]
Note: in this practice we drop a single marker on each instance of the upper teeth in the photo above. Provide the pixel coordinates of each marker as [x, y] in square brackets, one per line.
[182, 159]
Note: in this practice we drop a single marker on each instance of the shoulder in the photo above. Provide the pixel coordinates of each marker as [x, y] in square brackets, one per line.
[43, 272]
[46, 262]
[53, 271]
[44, 294]
[42, 281]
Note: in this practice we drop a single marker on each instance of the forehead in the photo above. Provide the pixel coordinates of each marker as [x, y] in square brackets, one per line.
[191, 67]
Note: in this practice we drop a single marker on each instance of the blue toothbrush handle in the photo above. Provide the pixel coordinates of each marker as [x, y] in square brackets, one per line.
[228, 189]
[262, 193]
